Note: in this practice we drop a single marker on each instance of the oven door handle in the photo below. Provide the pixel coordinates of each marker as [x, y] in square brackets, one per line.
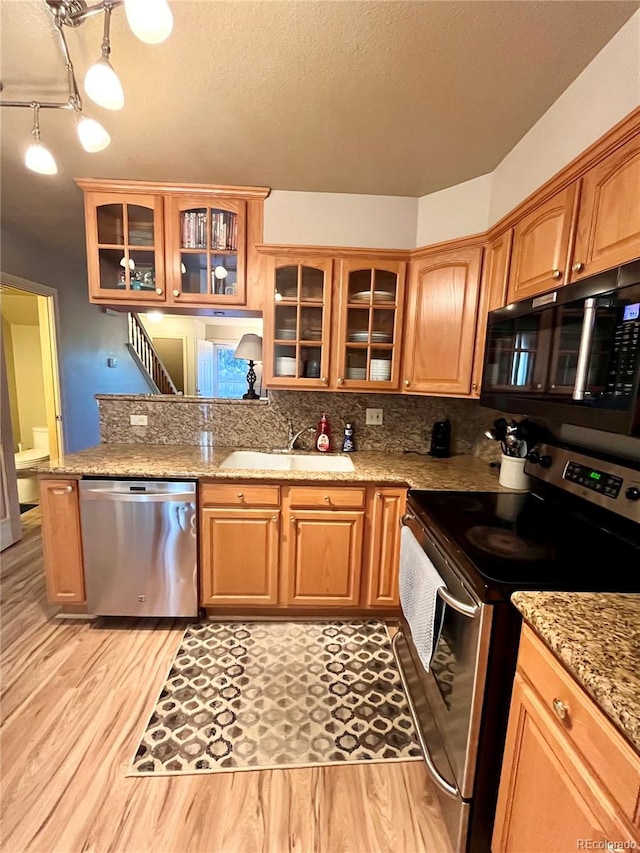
[469, 610]
[446, 787]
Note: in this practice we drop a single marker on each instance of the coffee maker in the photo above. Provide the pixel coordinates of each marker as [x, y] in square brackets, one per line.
[440, 439]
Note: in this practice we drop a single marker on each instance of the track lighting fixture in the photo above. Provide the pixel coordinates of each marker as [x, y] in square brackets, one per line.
[150, 20]
[101, 82]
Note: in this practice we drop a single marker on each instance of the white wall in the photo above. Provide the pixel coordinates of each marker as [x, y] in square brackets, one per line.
[604, 93]
[340, 219]
[454, 212]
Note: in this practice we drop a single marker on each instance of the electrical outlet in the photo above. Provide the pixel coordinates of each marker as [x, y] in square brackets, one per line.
[374, 417]
[138, 420]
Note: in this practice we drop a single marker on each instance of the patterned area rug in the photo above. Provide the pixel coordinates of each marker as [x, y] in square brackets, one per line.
[251, 695]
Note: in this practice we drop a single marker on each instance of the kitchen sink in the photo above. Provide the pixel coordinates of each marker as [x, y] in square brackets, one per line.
[252, 460]
[321, 463]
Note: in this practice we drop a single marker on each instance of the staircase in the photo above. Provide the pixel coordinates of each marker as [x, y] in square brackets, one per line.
[146, 357]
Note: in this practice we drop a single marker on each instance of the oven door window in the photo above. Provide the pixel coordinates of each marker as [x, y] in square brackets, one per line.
[448, 658]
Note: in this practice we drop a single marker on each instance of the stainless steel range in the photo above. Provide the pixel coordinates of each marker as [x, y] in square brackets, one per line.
[578, 529]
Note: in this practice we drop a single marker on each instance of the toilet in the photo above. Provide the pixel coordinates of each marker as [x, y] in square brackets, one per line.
[25, 460]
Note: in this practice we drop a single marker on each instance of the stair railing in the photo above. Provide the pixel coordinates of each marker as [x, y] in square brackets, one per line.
[146, 357]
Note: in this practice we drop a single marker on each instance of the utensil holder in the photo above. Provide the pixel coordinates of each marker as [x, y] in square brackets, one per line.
[512, 473]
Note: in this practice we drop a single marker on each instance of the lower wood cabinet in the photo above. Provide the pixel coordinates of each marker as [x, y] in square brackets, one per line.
[239, 556]
[62, 542]
[385, 511]
[322, 557]
[303, 546]
[567, 772]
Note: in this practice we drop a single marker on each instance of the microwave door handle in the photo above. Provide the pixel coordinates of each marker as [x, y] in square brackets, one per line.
[586, 337]
[469, 610]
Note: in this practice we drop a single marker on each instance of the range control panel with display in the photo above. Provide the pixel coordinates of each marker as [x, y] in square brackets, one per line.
[590, 478]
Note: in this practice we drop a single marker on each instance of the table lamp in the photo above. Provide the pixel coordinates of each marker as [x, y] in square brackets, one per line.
[250, 348]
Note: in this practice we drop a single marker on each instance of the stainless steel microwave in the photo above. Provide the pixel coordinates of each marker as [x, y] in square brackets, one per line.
[571, 356]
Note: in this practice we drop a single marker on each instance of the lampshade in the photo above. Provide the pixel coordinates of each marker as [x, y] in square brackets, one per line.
[93, 137]
[40, 159]
[250, 348]
[103, 86]
[150, 20]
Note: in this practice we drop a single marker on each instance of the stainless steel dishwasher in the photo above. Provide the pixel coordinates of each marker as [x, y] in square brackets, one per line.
[139, 546]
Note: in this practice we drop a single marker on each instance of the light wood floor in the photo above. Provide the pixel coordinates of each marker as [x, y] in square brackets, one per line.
[75, 699]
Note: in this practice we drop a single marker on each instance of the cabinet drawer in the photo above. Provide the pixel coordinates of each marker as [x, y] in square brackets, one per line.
[594, 736]
[239, 494]
[318, 496]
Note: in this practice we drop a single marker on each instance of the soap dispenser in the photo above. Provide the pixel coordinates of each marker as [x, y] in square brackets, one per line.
[323, 435]
[348, 444]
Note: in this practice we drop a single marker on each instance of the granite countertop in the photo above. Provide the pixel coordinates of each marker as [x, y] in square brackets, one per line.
[458, 473]
[597, 637]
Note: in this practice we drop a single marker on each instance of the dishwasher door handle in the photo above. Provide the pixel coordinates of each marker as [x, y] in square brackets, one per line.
[138, 497]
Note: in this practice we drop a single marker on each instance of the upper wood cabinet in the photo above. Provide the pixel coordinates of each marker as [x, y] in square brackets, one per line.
[340, 331]
[440, 325]
[206, 250]
[298, 323]
[62, 541]
[371, 301]
[178, 245]
[125, 247]
[493, 294]
[541, 247]
[608, 230]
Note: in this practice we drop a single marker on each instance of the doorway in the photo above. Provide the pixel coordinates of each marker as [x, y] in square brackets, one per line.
[33, 431]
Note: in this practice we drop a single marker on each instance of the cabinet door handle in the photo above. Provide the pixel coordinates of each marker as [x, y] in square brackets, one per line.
[274, 518]
[325, 381]
[327, 499]
[240, 496]
[176, 293]
[340, 380]
[560, 708]
[578, 267]
[406, 383]
[556, 274]
[159, 291]
[378, 495]
[292, 518]
[474, 387]
[65, 491]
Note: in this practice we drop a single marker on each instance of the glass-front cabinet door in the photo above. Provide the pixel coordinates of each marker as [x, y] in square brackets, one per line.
[125, 247]
[206, 250]
[370, 323]
[298, 317]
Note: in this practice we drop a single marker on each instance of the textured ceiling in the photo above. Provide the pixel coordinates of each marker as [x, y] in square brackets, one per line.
[394, 98]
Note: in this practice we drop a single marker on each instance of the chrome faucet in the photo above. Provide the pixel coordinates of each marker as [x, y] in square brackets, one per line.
[293, 437]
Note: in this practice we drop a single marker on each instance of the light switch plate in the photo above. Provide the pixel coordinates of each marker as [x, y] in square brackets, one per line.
[138, 420]
[374, 417]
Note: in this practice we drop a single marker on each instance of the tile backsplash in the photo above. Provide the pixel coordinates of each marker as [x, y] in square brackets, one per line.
[407, 421]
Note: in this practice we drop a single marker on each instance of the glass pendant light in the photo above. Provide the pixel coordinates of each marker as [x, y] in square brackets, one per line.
[150, 20]
[101, 82]
[93, 137]
[38, 158]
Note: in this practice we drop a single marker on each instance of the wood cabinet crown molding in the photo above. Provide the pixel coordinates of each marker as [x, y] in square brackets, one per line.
[308, 251]
[166, 188]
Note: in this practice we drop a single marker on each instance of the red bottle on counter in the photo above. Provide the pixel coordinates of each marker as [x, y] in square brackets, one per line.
[323, 435]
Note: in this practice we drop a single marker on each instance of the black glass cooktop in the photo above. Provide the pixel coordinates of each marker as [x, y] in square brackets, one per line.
[528, 541]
